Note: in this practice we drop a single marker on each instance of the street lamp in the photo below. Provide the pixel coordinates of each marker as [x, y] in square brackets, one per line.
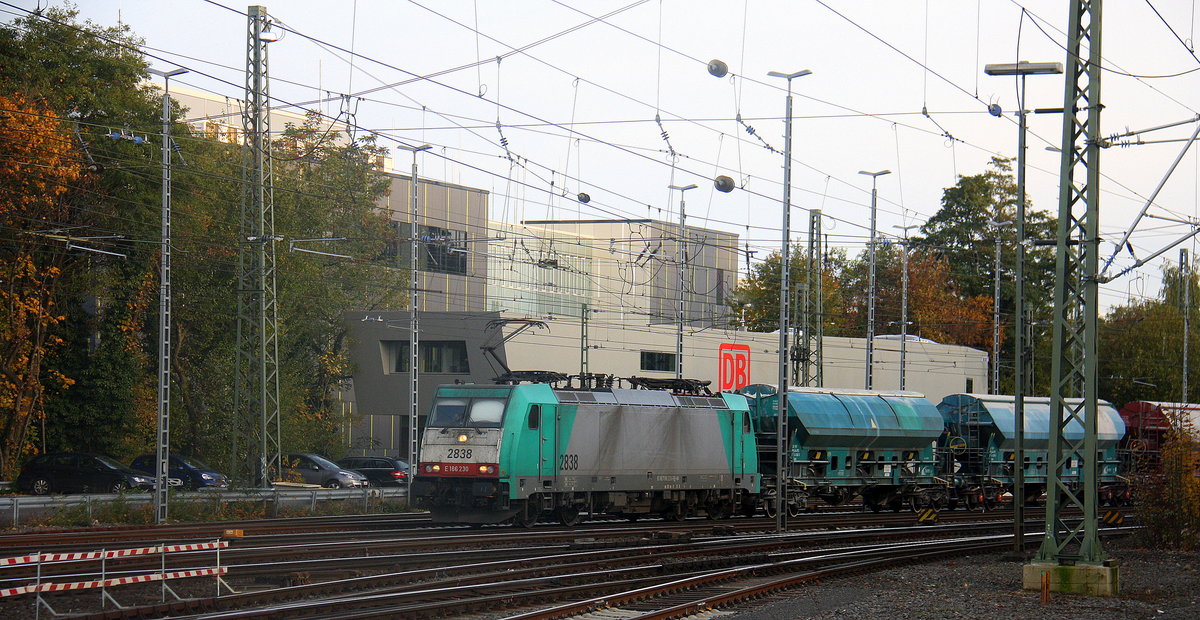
[904, 303]
[413, 325]
[871, 279]
[781, 444]
[996, 310]
[1020, 70]
[681, 258]
[161, 469]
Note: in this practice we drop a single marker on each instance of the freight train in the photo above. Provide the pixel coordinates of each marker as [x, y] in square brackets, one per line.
[524, 452]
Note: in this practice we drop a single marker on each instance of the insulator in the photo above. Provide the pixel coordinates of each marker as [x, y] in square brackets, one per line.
[503, 142]
[995, 110]
[665, 136]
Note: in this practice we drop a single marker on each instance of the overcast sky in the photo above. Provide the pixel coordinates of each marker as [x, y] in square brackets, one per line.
[577, 104]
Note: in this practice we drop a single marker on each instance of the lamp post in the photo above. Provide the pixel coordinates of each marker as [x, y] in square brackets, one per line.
[996, 310]
[871, 280]
[681, 259]
[1020, 372]
[162, 469]
[904, 304]
[782, 447]
[413, 325]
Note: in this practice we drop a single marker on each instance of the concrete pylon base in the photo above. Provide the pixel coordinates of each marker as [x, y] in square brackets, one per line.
[1079, 579]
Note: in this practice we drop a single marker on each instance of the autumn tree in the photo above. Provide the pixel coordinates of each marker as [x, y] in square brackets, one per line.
[92, 76]
[754, 303]
[937, 309]
[963, 232]
[327, 186]
[39, 167]
[1141, 344]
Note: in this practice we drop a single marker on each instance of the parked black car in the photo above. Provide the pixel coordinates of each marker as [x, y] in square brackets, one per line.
[69, 472]
[191, 472]
[315, 469]
[382, 471]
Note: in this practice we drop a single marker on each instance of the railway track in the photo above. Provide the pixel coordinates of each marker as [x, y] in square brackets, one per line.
[553, 564]
[280, 552]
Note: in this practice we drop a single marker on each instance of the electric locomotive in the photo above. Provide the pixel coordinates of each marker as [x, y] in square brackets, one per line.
[492, 453]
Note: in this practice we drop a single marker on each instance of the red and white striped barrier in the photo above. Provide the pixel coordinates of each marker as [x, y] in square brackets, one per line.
[208, 546]
[79, 555]
[116, 581]
[104, 582]
[108, 555]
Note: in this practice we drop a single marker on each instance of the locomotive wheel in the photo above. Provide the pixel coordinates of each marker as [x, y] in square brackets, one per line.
[527, 514]
[568, 515]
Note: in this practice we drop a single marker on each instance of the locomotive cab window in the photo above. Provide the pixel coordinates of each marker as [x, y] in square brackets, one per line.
[535, 416]
[468, 412]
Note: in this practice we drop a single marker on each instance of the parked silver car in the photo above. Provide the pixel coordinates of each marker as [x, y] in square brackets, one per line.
[314, 469]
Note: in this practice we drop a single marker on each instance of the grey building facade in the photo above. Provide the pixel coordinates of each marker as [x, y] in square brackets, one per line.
[451, 350]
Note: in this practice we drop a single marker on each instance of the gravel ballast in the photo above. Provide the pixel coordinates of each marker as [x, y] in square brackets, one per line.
[1154, 584]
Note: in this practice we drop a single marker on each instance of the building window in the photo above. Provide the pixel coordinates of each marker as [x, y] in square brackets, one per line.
[447, 357]
[970, 385]
[445, 250]
[655, 360]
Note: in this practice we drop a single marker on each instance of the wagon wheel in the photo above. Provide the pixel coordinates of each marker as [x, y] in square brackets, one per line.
[914, 503]
[527, 513]
[769, 507]
[568, 515]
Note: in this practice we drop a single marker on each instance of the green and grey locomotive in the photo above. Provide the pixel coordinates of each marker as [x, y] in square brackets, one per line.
[492, 453]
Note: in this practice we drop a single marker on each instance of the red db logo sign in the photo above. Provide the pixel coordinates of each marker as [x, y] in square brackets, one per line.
[735, 366]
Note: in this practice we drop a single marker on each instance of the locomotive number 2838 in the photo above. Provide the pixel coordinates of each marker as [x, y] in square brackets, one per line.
[459, 453]
[569, 462]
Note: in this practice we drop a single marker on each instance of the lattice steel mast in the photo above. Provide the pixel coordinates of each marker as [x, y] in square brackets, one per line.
[1075, 302]
[256, 392]
[811, 329]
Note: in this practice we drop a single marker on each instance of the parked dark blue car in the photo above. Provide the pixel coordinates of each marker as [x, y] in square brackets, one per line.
[192, 472]
[70, 472]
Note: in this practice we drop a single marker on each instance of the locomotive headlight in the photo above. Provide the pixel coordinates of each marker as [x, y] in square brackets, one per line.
[433, 468]
[462, 438]
[487, 469]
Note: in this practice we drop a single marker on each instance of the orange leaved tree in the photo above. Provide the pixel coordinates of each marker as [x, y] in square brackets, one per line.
[40, 164]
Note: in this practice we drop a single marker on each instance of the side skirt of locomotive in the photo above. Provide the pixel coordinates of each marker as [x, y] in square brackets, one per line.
[482, 501]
